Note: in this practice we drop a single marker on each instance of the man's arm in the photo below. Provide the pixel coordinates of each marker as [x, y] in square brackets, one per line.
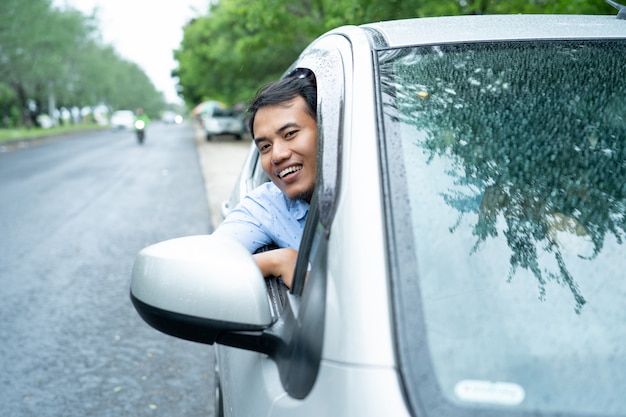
[278, 263]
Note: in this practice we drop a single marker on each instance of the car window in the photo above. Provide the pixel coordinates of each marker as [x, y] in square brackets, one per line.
[224, 113]
[508, 159]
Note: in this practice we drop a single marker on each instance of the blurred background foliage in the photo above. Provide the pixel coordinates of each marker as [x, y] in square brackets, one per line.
[55, 59]
[240, 45]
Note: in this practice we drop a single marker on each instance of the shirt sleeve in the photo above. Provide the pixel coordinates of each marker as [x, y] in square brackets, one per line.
[266, 217]
[244, 223]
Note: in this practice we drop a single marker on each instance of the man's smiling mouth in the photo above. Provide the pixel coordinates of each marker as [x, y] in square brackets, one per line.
[282, 174]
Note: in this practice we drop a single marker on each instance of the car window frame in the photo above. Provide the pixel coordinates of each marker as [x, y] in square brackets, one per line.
[301, 319]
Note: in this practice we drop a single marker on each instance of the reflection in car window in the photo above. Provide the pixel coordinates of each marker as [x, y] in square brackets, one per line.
[514, 159]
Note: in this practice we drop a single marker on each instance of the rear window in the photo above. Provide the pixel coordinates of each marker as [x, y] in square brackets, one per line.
[224, 113]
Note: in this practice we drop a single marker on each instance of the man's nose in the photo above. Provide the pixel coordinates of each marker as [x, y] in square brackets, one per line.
[280, 152]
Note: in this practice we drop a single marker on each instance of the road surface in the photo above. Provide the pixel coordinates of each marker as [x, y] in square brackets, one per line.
[73, 215]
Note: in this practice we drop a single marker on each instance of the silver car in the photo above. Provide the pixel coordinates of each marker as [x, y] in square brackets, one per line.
[123, 120]
[464, 251]
[219, 121]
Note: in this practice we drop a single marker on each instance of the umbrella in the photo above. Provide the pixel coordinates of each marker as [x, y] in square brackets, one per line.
[206, 107]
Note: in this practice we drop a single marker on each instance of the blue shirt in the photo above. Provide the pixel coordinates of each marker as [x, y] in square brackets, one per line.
[266, 216]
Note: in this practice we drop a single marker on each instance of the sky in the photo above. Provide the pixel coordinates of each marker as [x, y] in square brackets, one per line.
[145, 32]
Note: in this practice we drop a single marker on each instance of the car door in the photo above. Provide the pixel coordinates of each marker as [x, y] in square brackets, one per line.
[251, 383]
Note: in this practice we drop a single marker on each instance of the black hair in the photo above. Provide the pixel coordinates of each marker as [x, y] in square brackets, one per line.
[300, 82]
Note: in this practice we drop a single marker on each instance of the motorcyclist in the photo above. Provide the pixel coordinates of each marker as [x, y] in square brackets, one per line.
[141, 124]
[140, 115]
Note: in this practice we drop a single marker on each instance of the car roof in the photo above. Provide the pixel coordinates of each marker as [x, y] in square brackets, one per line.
[497, 27]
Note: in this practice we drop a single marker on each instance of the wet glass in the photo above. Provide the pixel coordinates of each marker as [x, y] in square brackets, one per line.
[510, 161]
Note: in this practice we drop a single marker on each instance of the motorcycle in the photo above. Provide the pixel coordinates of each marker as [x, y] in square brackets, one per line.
[140, 127]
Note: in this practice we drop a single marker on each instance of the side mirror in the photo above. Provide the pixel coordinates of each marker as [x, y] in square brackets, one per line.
[199, 287]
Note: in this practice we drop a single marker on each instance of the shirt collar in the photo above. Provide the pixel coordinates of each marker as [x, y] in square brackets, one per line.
[299, 208]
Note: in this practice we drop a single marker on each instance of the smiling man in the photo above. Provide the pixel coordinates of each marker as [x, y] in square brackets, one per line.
[283, 124]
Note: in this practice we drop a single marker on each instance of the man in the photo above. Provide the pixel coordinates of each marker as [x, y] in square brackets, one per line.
[140, 115]
[283, 124]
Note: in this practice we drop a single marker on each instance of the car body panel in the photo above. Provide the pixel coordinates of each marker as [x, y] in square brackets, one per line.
[255, 374]
[374, 391]
[454, 29]
[353, 263]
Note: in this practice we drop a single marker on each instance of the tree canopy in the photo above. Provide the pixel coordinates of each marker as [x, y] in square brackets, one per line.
[240, 45]
[55, 57]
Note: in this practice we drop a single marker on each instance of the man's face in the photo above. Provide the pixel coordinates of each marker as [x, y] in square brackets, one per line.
[286, 136]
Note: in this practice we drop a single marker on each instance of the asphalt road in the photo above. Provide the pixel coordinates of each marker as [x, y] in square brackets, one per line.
[73, 215]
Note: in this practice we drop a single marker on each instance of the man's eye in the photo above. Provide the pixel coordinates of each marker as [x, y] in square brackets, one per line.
[264, 147]
[291, 133]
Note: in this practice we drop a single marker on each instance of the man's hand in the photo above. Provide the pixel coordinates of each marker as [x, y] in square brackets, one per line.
[278, 263]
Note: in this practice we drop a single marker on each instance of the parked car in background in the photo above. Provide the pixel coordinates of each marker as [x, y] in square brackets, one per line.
[169, 117]
[123, 120]
[463, 253]
[223, 121]
[45, 121]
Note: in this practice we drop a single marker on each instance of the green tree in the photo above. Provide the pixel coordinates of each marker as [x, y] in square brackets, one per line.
[20, 45]
[242, 44]
[51, 57]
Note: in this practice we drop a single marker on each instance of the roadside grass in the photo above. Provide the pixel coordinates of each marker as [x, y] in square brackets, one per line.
[9, 135]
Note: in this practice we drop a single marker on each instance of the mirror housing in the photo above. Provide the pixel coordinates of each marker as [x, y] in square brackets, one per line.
[198, 287]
